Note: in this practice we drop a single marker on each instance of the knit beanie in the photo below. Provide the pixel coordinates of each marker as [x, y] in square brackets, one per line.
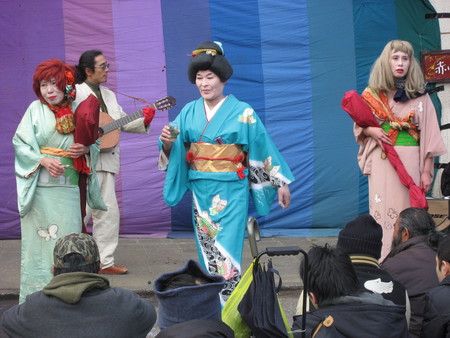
[209, 55]
[183, 303]
[361, 236]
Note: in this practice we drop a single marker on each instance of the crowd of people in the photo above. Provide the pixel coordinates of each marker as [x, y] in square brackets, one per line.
[387, 275]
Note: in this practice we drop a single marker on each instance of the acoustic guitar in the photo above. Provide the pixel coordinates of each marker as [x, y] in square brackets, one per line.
[109, 128]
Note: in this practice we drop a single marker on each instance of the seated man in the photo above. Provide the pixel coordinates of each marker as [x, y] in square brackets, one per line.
[78, 302]
[342, 308]
[436, 319]
[412, 260]
[361, 239]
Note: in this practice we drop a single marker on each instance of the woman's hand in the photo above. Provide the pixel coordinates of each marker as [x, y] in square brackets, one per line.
[378, 134]
[425, 181]
[77, 149]
[53, 166]
[426, 178]
[165, 138]
[284, 196]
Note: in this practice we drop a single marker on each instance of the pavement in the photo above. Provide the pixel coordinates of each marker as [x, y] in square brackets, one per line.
[148, 258]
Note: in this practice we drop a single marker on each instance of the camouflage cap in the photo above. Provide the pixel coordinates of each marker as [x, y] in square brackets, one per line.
[82, 244]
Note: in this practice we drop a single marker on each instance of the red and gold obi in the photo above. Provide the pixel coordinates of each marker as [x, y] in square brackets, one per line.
[210, 157]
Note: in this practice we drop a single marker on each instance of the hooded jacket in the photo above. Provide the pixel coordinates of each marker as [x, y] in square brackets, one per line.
[80, 304]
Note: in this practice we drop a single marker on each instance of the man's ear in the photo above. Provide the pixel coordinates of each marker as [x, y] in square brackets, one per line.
[89, 72]
[405, 234]
[313, 298]
[445, 268]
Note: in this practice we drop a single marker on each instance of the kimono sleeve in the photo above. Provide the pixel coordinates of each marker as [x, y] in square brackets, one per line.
[176, 182]
[268, 169]
[27, 159]
[93, 196]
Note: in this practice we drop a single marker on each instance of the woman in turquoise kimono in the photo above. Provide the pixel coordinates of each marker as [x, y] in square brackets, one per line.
[47, 183]
[222, 152]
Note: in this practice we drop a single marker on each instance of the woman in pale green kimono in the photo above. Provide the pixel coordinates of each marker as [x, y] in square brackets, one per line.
[222, 152]
[47, 183]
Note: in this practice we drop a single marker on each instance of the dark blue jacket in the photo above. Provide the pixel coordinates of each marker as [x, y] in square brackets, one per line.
[436, 319]
[366, 315]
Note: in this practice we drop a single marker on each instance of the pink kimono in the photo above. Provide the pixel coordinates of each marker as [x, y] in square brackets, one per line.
[387, 196]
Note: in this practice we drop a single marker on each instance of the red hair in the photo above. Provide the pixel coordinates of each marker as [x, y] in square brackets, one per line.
[53, 69]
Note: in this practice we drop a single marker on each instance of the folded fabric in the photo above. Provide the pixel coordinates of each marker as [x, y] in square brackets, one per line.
[199, 299]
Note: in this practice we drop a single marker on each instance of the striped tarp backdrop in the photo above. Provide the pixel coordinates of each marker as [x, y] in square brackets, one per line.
[293, 60]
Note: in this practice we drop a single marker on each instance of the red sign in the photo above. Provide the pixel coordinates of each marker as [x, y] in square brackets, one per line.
[436, 65]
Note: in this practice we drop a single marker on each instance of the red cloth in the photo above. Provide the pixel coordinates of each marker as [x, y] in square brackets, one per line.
[361, 114]
[87, 117]
[86, 128]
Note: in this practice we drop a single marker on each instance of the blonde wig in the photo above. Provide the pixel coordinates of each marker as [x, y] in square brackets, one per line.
[381, 77]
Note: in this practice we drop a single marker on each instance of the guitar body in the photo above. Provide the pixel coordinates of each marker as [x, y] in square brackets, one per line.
[109, 140]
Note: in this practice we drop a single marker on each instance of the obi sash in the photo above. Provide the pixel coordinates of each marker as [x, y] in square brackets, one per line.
[70, 176]
[208, 157]
[403, 138]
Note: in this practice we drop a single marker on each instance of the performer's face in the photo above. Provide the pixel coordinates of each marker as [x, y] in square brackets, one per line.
[51, 93]
[100, 73]
[399, 63]
[210, 86]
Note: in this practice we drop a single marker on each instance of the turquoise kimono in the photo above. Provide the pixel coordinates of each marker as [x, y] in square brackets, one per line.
[220, 199]
[49, 207]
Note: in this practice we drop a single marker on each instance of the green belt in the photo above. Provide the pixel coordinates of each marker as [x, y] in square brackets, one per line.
[70, 176]
[403, 137]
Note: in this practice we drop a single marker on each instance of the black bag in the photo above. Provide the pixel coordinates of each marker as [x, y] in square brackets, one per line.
[260, 307]
[445, 180]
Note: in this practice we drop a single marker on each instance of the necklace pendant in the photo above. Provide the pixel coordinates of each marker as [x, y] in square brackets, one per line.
[383, 155]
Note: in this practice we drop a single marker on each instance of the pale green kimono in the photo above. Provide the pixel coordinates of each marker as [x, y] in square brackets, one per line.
[49, 207]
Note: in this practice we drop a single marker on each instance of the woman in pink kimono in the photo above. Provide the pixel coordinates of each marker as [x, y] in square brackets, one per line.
[396, 95]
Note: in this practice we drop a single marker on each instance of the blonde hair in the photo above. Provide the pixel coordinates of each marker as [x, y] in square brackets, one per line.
[381, 77]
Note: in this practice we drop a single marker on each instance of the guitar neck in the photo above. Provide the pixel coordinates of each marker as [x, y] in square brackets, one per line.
[121, 122]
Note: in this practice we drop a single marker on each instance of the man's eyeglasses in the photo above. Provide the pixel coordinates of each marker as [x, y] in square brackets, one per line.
[103, 66]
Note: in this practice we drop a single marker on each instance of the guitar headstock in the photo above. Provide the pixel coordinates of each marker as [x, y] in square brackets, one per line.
[165, 103]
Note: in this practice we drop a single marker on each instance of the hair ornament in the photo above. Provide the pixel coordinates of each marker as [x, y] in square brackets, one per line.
[207, 51]
[70, 87]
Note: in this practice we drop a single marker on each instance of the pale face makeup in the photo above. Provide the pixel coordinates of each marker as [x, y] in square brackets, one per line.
[50, 92]
[210, 87]
[399, 63]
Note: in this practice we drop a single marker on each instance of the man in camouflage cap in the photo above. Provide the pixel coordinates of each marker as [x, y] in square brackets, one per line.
[78, 301]
[82, 244]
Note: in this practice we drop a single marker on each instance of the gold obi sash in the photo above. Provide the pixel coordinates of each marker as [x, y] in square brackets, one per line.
[70, 176]
[210, 157]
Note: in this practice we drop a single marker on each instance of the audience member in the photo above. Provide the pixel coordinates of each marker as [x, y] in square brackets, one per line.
[342, 308]
[436, 319]
[186, 294]
[361, 239]
[78, 302]
[412, 260]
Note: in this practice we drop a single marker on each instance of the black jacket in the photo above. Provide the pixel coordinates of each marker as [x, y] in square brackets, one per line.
[436, 320]
[372, 278]
[366, 315]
